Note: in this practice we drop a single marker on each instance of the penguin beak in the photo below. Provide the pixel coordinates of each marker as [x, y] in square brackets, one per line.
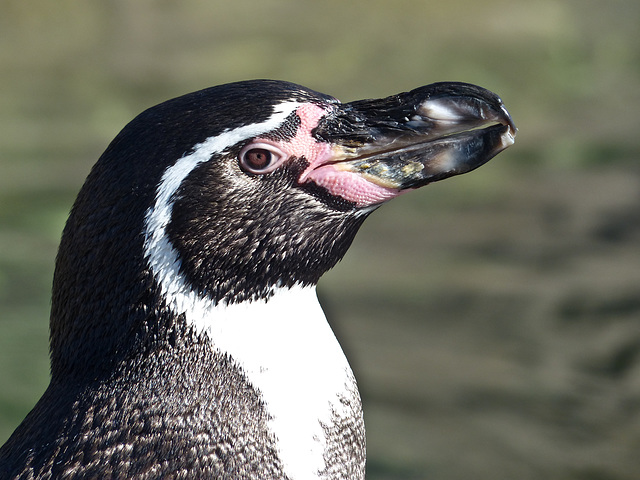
[414, 138]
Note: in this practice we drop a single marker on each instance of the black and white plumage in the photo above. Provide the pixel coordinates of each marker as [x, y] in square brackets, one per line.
[186, 337]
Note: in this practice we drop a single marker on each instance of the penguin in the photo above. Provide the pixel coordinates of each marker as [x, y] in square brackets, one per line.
[186, 338]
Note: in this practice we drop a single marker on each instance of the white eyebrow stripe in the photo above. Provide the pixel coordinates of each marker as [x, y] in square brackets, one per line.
[162, 257]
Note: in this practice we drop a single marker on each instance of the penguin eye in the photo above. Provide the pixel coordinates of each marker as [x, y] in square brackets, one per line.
[261, 158]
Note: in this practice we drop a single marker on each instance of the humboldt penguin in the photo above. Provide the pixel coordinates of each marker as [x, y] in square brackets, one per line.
[186, 338]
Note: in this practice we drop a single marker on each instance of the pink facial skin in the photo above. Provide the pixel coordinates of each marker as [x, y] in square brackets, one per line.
[322, 158]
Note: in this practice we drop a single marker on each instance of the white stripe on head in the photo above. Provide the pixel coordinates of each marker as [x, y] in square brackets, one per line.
[162, 257]
[284, 345]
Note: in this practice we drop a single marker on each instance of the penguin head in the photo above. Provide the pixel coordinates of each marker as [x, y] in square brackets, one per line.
[233, 192]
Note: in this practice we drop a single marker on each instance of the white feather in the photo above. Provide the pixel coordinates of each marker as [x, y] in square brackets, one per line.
[290, 354]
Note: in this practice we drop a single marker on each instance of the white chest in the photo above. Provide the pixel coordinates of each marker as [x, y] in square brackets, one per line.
[291, 356]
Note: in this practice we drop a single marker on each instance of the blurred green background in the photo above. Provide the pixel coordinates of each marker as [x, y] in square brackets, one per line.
[493, 320]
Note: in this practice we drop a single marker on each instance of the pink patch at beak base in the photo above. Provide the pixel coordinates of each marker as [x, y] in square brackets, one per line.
[321, 170]
[350, 186]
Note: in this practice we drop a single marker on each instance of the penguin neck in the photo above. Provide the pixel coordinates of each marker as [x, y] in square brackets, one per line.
[290, 356]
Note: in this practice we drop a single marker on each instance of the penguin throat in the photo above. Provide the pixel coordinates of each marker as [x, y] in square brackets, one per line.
[291, 358]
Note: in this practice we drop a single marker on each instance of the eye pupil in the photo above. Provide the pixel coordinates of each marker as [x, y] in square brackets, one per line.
[258, 158]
